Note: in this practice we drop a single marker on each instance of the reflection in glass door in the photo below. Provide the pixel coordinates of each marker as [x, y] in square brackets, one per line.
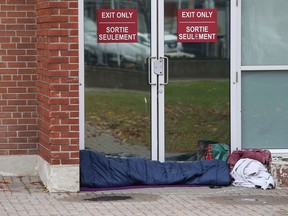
[117, 94]
[197, 96]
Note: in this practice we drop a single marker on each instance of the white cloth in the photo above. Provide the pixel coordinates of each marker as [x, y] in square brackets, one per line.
[251, 173]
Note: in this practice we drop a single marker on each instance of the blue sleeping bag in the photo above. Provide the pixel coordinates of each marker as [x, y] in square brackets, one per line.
[98, 170]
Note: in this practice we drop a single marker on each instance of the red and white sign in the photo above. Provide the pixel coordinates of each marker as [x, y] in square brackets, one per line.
[197, 25]
[117, 25]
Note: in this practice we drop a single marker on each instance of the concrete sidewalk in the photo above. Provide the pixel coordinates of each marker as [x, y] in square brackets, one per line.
[27, 196]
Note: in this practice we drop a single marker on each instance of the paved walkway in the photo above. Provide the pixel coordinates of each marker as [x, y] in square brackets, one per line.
[27, 196]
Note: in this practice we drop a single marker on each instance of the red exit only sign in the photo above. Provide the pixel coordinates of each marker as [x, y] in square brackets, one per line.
[117, 25]
[197, 25]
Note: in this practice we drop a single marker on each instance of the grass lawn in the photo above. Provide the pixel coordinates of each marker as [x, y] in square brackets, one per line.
[194, 110]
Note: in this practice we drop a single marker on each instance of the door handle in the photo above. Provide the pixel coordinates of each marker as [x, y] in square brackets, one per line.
[165, 70]
[149, 70]
[160, 68]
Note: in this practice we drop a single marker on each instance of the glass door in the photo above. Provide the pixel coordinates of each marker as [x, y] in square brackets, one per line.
[197, 97]
[151, 89]
[117, 94]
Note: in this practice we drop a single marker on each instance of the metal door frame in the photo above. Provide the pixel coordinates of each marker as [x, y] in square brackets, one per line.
[157, 82]
[81, 75]
[235, 74]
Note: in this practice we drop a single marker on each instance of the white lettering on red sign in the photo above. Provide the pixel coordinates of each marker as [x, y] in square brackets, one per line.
[197, 25]
[199, 14]
[107, 15]
[117, 25]
[117, 29]
[127, 15]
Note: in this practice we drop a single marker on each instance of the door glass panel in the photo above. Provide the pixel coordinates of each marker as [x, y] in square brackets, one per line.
[264, 109]
[117, 96]
[264, 32]
[197, 96]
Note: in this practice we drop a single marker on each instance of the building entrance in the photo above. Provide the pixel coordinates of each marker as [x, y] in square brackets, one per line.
[157, 76]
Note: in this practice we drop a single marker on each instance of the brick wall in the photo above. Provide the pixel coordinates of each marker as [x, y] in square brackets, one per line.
[57, 82]
[18, 74]
[39, 105]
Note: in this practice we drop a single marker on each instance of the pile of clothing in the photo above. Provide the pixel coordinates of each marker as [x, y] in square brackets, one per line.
[249, 169]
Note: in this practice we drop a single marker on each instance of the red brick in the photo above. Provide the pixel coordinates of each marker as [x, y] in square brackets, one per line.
[27, 146]
[16, 14]
[8, 20]
[70, 148]
[9, 58]
[17, 128]
[7, 33]
[60, 155]
[16, 64]
[25, 7]
[9, 96]
[59, 141]
[16, 52]
[74, 154]
[33, 152]
[73, 4]
[18, 152]
[58, 5]
[4, 152]
[8, 7]
[69, 161]
[9, 109]
[26, 46]
[18, 140]
[8, 146]
[26, 33]
[15, 2]
[55, 161]
[9, 121]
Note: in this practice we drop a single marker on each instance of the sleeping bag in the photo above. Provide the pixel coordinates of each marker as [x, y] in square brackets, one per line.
[98, 170]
